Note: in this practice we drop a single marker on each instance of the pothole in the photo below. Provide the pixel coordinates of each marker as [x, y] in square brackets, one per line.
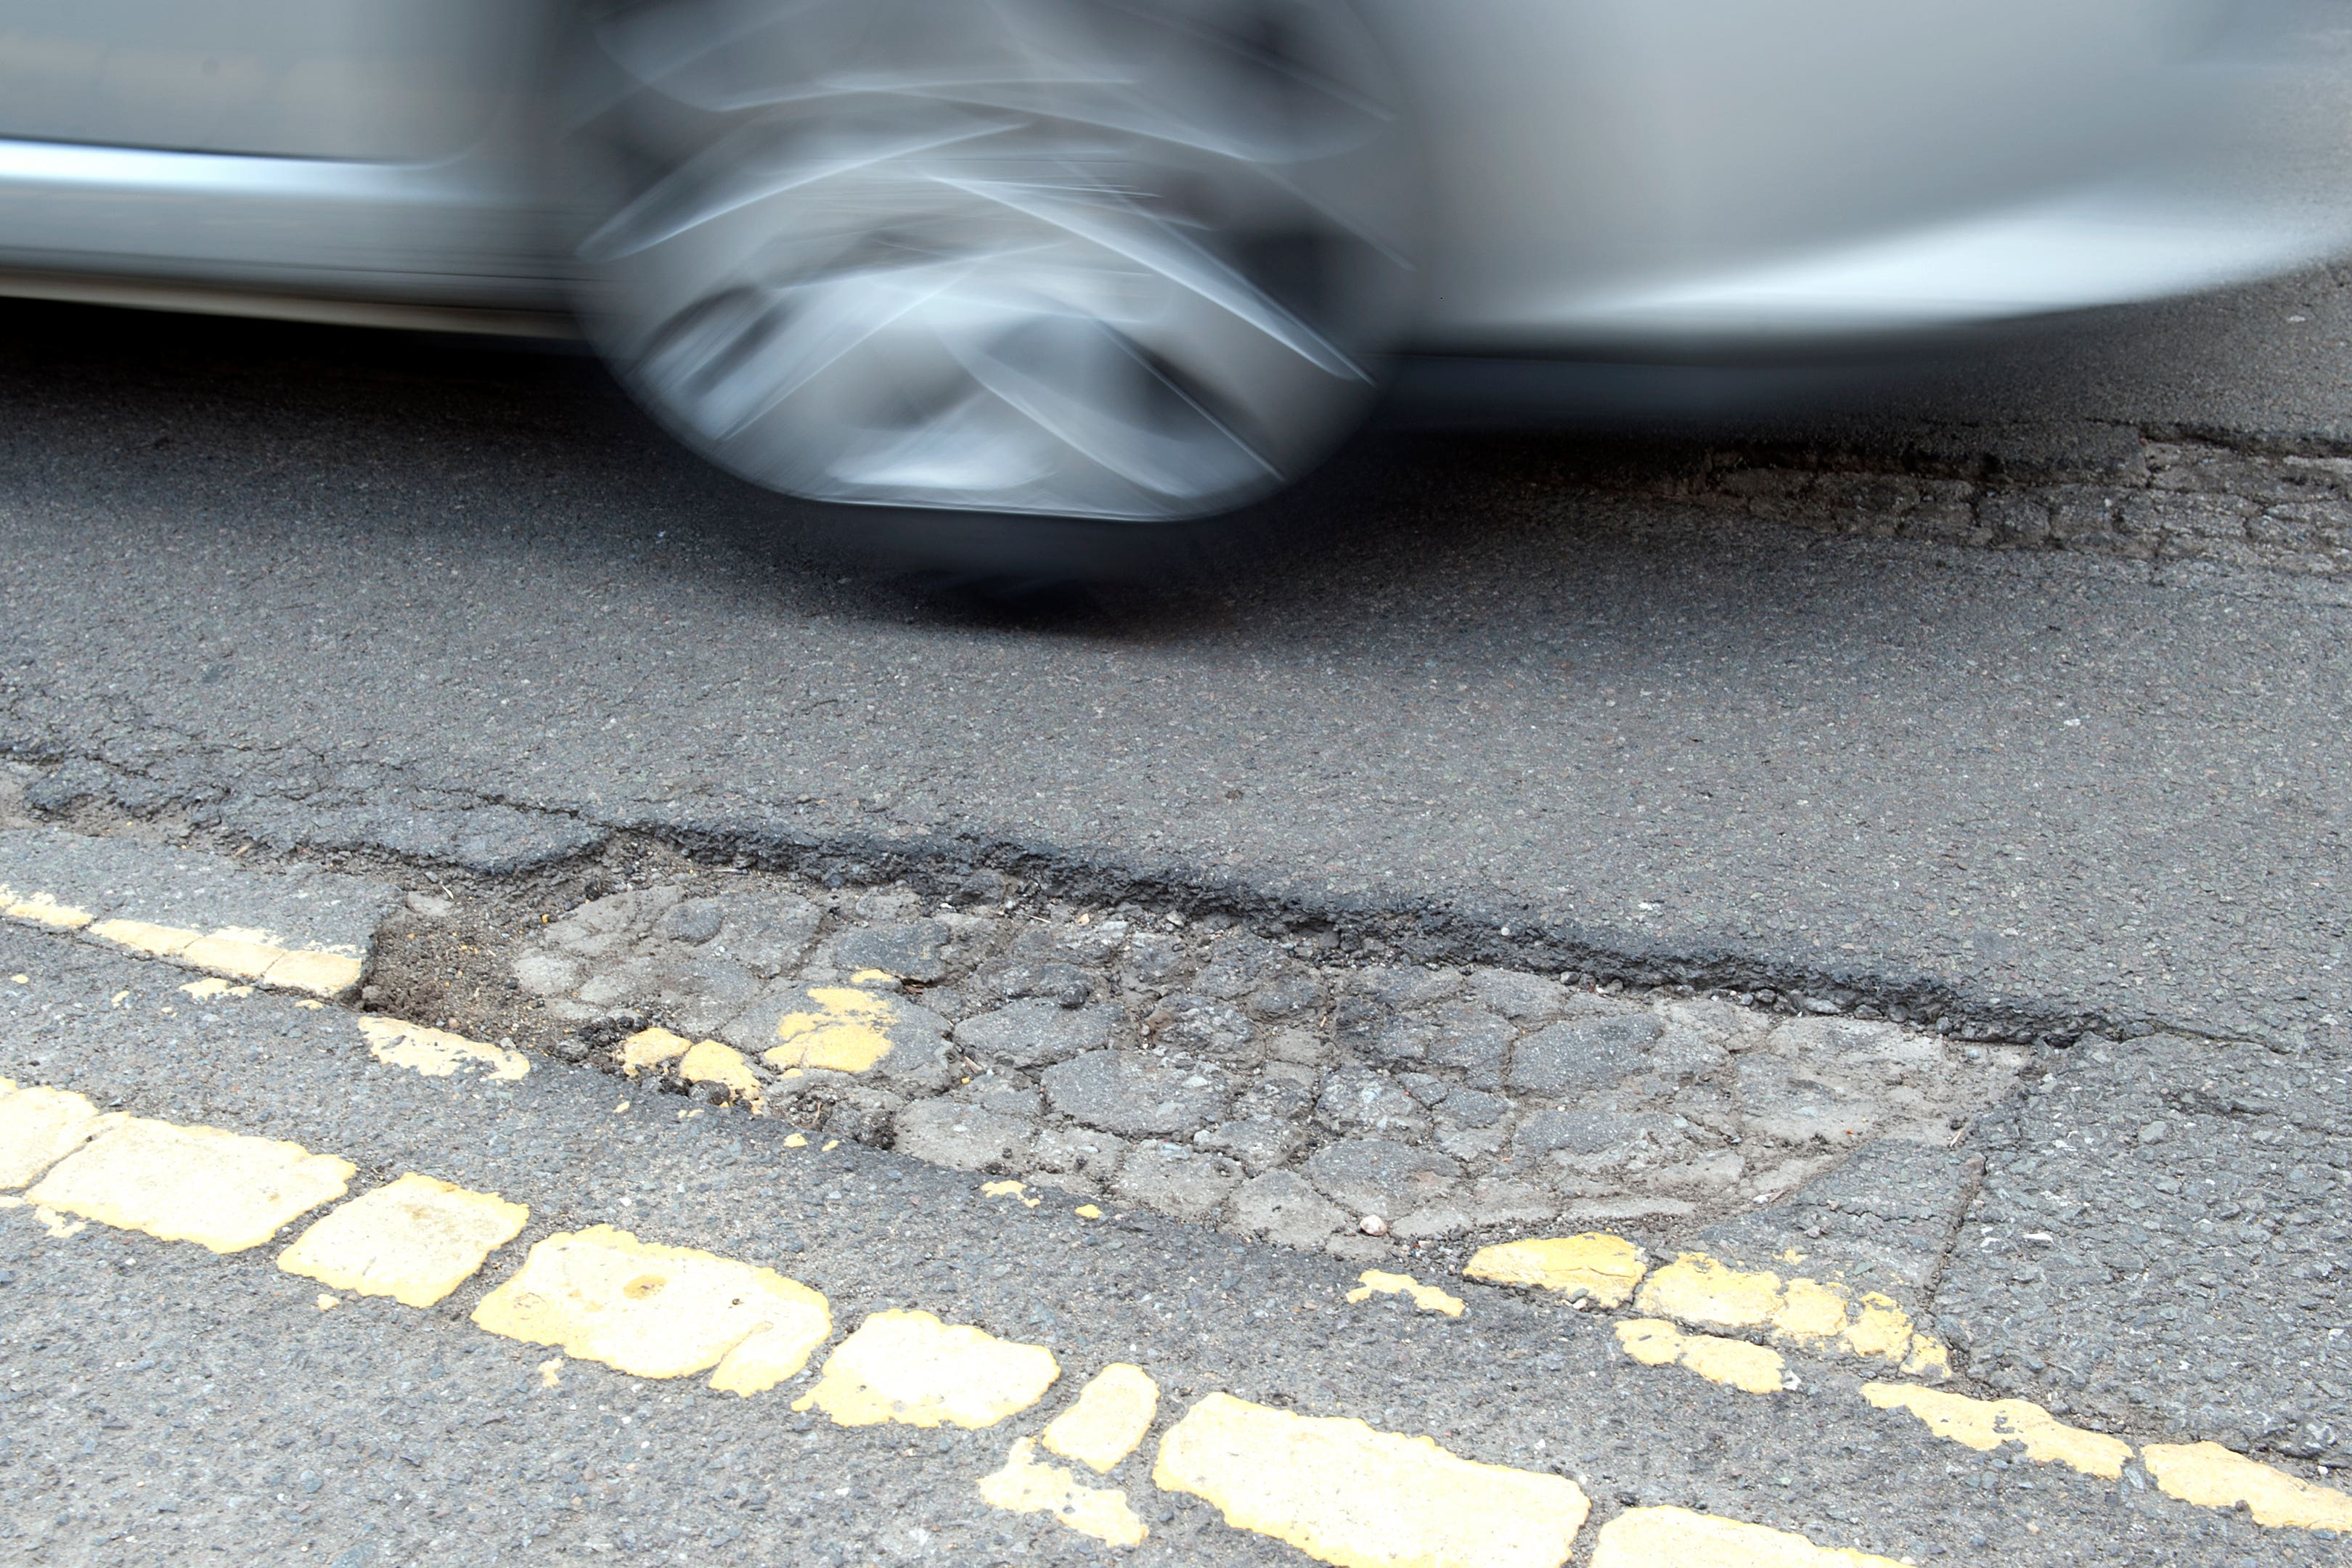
[1269, 1081]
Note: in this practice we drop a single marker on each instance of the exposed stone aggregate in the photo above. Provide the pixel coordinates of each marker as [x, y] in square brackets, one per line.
[1266, 1083]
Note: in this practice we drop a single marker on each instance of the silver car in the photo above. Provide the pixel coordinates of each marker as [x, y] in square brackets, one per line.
[1146, 259]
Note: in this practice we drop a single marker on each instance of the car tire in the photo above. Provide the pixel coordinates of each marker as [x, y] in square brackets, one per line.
[1083, 259]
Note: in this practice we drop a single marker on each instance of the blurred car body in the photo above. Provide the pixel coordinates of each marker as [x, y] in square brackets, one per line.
[1526, 178]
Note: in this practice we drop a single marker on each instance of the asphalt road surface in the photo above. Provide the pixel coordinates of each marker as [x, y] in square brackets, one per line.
[1533, 700]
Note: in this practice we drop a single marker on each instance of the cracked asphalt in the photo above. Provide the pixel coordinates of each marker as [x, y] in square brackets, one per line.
[167, 1403]
[422, 603]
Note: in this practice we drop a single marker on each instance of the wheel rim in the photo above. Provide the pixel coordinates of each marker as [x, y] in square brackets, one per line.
[1054, 256]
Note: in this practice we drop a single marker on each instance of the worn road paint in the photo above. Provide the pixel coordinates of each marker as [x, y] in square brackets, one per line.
[237, 952]
[907, 1366]
[1695, 1289]
[1026, 1485]
[1348, 1495]
[1009, 1190]
[1703, 1293]
[651, 1311]
[847, 1031]
[650, 1048]
[219, 1190]
[41, 909]
[59, 1226]
[1751, 1369]
[1605, 1267]
[437, 1053]
[39, 1127]
[1088, 1211]
[1428, 1297]
[2210, 1476]
[1680, 1538]
[415, 1240]
[1985, 1425]
[710, 1062]
[213, 985]
[699, 1062]
[1110, 1419]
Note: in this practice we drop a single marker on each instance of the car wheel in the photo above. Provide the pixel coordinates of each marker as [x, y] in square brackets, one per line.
[1081, 258]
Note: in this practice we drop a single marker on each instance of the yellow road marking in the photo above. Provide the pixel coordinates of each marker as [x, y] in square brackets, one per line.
[437, 1053]
[1752, 1369]
[57, 1226]
[1348, 1495]
[218, 1189]
[213, 985]
[1026, 1485]
[551, 1373]
[1701, 1292]
[796, 1141]
[908, 1367]
[236, 952]
[1110, 1418]
[1604, 1267]
[1680, 1538]
[2210, 1476]
[658, 1311]
[1985, 1425]
[414, 1240]
[711, 1062]
[39, 1127]
[328, 1303]
[699, 1062]
[848, 1030]
[1008, 1190]
[1088, 1211]
[651, 1048]
[42, 910]
[246, 954]
[1428, 1297]
[140, 936]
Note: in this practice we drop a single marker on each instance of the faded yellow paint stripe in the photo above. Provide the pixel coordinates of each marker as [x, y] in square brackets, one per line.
[2210, 1476]
[659, 1312]
[220, 1190]
[1681, 1538]
[42, 910]
[909, 1367]
[1348, 1495]
[39, 1127]
[844, 1031]
[415, 1240]
[650, 1048]
[710, 1062]
[437, 1053]
[1603, 1269]
[1751, 1369]
[1985, 1425]
[1110, 1419]
[1703, 1292]
[238, 953]
[141, 936]
[699, 1062]
[1027, 1485]
[1428, 1297]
